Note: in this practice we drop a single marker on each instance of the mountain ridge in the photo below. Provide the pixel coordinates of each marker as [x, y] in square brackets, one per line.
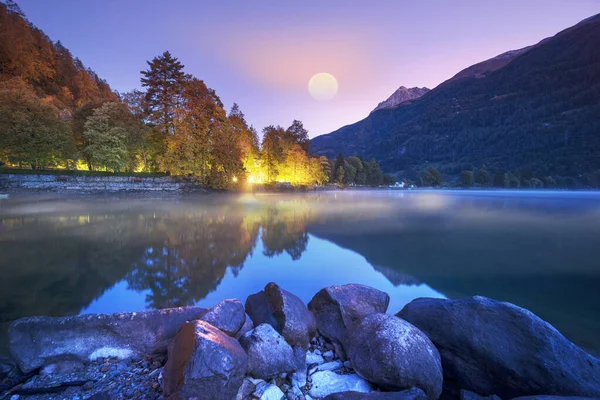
[535, 112]
[401, 95]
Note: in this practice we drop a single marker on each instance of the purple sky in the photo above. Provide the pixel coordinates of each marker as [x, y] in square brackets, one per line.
[261, 54]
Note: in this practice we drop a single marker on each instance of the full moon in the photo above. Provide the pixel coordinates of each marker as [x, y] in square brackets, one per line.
[323, 86]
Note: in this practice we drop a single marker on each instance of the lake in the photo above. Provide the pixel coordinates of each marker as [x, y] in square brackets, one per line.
[67, 255]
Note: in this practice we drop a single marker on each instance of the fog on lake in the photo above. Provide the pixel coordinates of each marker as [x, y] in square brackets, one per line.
[65, 255]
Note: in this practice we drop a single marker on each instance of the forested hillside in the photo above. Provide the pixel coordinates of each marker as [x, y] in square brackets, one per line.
[535, 116]
[49, 68]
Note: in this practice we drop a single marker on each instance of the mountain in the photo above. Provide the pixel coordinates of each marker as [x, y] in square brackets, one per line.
[27, 54]
[533, 110]
[402, 95]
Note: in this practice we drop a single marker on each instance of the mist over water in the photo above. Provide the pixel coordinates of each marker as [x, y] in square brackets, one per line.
[70, 255]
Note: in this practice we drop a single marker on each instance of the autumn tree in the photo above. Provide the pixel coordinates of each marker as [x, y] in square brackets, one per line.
[296, 134]
[203, 143]
[164, 82]
[248, 141]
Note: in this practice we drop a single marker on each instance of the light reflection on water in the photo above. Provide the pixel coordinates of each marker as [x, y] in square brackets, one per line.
[70, 255]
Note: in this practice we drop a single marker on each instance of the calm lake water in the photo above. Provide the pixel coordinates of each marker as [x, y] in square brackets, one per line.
[75, 255]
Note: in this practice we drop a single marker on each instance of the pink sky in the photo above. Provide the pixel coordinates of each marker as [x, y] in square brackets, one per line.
[262, 53]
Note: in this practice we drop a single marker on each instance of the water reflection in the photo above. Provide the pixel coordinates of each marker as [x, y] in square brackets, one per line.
[63, 256]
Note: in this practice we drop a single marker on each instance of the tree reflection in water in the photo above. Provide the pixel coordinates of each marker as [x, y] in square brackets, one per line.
[197, 248]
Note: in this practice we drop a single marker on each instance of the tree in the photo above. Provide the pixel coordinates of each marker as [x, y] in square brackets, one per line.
[164, 82]
[340, 177]
[248, 141]
[298, 135]
[339, 163]
[106, 133]
[374, 174]
[272, 151]
[31, 131]
[482, 177]
[388, 180]
[349, 174]
[500, 179]
[466, 179]
[203, 143]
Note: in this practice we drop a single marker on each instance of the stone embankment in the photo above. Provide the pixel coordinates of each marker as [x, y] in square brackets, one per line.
[343, 345]
[91, 183]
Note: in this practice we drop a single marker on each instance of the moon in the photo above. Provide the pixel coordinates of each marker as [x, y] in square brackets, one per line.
[323, 86]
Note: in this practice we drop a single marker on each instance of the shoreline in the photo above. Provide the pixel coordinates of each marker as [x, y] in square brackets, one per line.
[277, 347]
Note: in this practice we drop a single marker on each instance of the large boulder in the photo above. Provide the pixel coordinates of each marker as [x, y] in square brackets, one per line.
[285, 312]
[204, 361]
[491, 347]
[297, 324]
[228, 316]
[408, 394]
[36, 341]
[269, 354]
[394, 355]
[325, 383]
[336, 308]
[247, 327]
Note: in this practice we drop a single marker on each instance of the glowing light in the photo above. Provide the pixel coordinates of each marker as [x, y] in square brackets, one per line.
[323, 86]
[234, 179]
[251, 179]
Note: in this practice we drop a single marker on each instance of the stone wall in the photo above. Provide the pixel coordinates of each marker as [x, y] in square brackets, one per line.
[90, 183]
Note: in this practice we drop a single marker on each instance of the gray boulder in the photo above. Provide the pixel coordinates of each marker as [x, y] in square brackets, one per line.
[325, 383]
[336, 308]
[394, 355]
[285, 312]
[247, 327]
[269, 354]
[204, 360]
[408, 394]
[491, 347]
[297, 324]
[228, 316]
[37, 341]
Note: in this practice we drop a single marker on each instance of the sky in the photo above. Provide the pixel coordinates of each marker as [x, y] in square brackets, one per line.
[261, 54]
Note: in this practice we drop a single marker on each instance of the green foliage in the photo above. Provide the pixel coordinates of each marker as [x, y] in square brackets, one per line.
[431, 177]
[164, 81]
[340, 176]
[106, 134]
[482, 177]
[388, 180]
[501, 180]
[31, 132]
[466, 179]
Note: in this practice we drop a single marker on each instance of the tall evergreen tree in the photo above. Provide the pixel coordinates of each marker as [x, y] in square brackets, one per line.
[164, 82]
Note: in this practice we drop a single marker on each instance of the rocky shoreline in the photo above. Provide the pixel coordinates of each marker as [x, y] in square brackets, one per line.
[342, 345]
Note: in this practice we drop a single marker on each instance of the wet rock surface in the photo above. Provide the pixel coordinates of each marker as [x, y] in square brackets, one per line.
[491, 347]
[408, 394]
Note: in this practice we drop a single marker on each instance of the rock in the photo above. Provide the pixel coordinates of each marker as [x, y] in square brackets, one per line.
[36, 341]
[258, 309]
[297, 324]
[62, 367]
[203, 359]
[325, 383]
[408, 394]
[228, 316]
[491, 347]
[299, 379]
[246, 390]
[247, 327]
[269, 392]
[338, 307]
[268, 353]
[467, 395]
[313, 358]
[394, 355]
[330, 366]
[328, 355]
